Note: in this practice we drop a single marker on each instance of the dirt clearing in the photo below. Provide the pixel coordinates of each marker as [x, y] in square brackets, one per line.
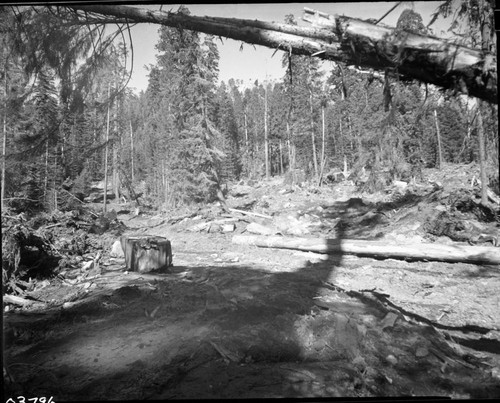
[238, 321]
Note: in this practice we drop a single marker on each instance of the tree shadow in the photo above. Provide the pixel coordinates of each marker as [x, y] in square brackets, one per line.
[290, 329]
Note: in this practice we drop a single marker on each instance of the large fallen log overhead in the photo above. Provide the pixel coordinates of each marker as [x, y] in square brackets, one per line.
[339, 38]
[378, 249]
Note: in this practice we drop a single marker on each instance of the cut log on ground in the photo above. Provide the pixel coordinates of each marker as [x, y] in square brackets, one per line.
[15, 300]
[378, 249]
[251, 213]
[146, 253]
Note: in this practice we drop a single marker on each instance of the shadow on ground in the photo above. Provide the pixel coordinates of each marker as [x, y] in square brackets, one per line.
[235, 331]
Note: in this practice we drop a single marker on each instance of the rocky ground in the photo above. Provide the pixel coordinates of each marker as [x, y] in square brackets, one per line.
[238, 321]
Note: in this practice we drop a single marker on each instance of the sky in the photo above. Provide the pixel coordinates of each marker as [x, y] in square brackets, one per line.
[258, 63]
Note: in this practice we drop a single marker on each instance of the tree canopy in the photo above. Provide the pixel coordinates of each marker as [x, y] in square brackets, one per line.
[69, 117]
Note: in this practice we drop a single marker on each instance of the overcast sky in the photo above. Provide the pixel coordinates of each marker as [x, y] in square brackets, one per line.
[257, 62]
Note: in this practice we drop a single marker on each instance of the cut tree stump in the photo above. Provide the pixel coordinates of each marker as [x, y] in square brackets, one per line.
[146, 253]
[378, 249]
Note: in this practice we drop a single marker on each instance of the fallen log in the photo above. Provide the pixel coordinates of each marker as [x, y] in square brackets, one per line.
[15, 300]
[339, 38]
[250, 213]
[378, 249]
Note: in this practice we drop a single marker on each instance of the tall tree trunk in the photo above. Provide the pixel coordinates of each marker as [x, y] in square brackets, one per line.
[281, 158]
[266, 135]
[313, 136]
[482, 156]
[323, 132]
[46, 180]
[323, 145]
[55, 178]
[341, 138]
[247, 153]
[95, 158]
[116, 178]
[438, 134]
[162, 198]
[106, 155]
[289, 145]
[4, 141]
[165, 182]
[246, 131]
[487, 45]
[131, 152]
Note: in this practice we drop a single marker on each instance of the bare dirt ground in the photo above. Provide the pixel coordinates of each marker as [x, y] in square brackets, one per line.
[238, 321]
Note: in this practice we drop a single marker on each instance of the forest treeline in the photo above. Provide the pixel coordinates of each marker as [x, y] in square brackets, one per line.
[69, 119]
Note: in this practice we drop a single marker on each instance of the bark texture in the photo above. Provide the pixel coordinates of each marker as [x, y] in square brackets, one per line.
[339, 38]
[146, 253]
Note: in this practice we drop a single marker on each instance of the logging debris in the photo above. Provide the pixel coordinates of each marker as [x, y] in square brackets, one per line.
[294, 322]
[53, 245]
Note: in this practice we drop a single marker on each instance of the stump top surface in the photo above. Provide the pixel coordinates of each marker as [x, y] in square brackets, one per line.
[151, 238]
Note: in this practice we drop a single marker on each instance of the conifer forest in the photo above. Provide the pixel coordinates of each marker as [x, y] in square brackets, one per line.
[334, 232]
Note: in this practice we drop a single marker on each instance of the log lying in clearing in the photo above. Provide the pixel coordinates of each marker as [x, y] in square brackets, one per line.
[146, 253]
[378, 249]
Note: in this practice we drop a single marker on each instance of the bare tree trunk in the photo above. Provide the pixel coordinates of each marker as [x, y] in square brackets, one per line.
[351, 137]
[343, 39]
[106, 155]
[165, 182]
[247, 152]
[323, 130]
[341, 138]
[131, 152]
[288, 145]
[266, 135]
[162, 198]
[323, 145]
[281, 158]
[438, 134]
[46, 181]
[313, 137]
[55, 178]
[116, 179]
[246, 131]
[4, 141]
[95, 158]
[482, 156]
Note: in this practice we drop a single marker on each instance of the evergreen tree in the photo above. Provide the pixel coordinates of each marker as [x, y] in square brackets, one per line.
[183, 145]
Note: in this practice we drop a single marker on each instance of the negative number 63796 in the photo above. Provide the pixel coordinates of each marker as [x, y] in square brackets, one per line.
[22, 399]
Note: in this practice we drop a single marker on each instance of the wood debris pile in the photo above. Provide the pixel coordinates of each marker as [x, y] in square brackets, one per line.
[50, 246]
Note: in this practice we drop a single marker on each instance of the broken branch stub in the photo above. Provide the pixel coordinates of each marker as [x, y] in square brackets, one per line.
[146, 253]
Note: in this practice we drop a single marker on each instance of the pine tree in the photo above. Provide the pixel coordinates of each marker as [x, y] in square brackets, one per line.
[183, 142]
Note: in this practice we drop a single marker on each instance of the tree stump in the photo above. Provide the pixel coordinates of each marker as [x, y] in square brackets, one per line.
[146, 253]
